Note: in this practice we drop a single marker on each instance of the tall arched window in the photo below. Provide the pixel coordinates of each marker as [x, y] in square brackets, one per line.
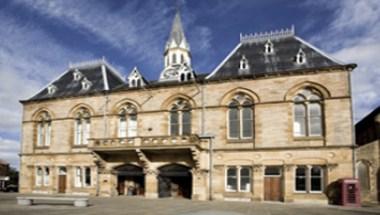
[82, 127]
[180, 118]
[307, 113]
[174, 59]
[128, 121]
[44, 129]
[240, 117]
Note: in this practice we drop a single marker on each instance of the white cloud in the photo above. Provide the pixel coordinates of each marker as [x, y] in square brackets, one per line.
[9, 150]
[353, 36]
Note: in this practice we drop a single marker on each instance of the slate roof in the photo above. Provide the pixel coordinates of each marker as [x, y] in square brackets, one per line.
[67, 86]
[285, 45]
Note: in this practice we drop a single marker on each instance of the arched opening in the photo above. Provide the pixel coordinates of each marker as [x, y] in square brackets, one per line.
[130, 180]
[174, 181]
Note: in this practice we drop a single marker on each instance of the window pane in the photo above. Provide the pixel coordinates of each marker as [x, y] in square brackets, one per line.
[247, 122]
[78, 132]
[299, 120]
[300, 183]
[48, 134]
[186, 122]
[232, 178]
[86, 132]
[316, 179]
[315, 119]
[46, 176]
[78, 177]
[273, 171]
[234, 123]
[39, 134]
[88, 176]
[122, 127]
[132, 125]
[301, 178]
[245, 179]
[174, 126]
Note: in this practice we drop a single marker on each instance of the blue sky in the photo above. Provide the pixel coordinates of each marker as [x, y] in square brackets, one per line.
[39, 38]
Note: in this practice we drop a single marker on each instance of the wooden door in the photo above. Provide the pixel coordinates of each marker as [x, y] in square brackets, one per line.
[62, 183]
[273, 189]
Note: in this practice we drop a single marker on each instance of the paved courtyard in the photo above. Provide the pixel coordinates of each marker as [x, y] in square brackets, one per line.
[125, 205]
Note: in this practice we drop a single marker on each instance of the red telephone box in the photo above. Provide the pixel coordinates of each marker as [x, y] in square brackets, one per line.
[350, 192]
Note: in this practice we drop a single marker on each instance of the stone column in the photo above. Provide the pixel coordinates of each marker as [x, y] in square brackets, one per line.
[289, 181]
[200, 188]
[151, 184]
[258, 183]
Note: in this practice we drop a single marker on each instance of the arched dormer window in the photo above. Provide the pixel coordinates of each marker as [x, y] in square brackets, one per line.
[77, 75]
[180, 118]
[135, 79]
[185, 73]
[86, 84]
[82, 126]
[43, 129]
[52, 89]
[240, 117]
[307, 113]
[244, 63]
[127, 121]
[268, 47]
[300, 57]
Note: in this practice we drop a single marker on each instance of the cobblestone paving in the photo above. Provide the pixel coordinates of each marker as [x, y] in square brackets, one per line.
[140, 206]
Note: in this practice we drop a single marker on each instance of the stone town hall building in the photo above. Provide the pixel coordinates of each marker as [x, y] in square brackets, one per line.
[271, 122]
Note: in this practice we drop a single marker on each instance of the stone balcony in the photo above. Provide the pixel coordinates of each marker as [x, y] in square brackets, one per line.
[148, 142]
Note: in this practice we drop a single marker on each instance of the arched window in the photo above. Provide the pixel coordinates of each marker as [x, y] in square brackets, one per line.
[300, 57]
[174, 59]
[240, 117]
[268, 47]
[182, 59]
[244, 63]
[128, 121]
[180, 118]
[82, 127]
[363, 175]
[307, 113]
[44, 129]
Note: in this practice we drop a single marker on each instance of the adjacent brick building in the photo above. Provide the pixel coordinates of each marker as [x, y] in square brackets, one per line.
[272, 121]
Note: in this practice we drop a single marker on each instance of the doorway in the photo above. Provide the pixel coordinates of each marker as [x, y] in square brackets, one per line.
[175, 181]
[62, 179]
[273, 183]
[130, 180]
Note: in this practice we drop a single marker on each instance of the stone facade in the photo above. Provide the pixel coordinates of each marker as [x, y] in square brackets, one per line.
[368, 156]
[273, 143]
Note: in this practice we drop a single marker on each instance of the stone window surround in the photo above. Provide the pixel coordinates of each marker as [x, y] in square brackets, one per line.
[238, 179]
[308, 178]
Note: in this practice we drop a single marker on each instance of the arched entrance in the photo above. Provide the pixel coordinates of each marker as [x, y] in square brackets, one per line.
[174, 180]
[130, 180]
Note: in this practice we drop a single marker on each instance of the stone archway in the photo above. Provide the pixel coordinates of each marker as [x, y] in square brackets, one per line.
[175, 181]
[130, 180]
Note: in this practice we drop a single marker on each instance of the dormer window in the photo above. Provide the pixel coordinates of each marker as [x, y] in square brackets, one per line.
[135, 79]
[86, 84]
[268, 47]
[300, 57]
[77, 75]
[52, 89]
[244, 65]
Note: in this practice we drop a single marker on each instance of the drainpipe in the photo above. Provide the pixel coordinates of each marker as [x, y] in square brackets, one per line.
[354, 175]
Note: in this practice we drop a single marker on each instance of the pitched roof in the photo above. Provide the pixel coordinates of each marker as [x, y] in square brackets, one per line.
[285, 48]
[101, 80]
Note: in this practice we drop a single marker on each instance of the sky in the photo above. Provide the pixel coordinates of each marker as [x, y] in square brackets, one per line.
[40, 38]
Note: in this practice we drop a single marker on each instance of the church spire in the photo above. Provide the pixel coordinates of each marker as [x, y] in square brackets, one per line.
[177, 56]
[177, 37]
